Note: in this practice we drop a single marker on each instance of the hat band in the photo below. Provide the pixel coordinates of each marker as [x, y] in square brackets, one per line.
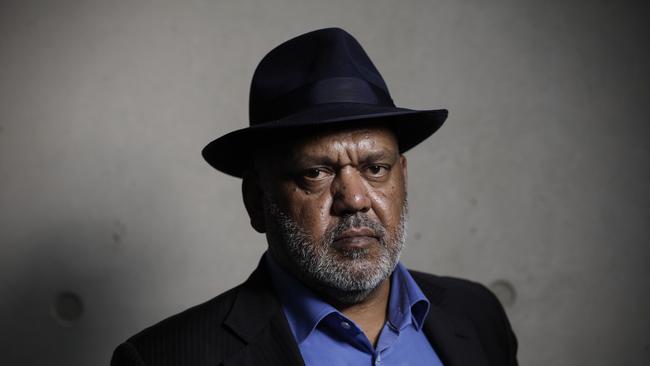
[326, 91]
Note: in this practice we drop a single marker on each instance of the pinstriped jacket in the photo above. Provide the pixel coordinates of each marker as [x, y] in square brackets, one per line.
[246, 326]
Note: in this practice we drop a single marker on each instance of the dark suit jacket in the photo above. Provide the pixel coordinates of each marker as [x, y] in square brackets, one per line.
[246, 326]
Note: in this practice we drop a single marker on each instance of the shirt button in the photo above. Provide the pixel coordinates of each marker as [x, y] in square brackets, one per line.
[345, 325]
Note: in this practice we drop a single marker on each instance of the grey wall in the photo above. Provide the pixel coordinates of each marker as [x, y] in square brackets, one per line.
[536, 186]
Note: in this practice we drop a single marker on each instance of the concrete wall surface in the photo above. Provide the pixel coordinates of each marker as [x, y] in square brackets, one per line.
[537, 186]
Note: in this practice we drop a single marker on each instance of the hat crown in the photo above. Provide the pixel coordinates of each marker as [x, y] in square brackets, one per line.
[316, 68]
[321, 78]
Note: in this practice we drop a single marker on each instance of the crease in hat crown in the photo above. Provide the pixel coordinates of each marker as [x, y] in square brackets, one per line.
[323, 77]
[315, 68]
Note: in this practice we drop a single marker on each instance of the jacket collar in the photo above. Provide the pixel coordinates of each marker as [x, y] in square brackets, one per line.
[257, 318]
[454, 338]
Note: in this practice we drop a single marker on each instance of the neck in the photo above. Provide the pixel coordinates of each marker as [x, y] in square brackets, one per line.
[370, 313]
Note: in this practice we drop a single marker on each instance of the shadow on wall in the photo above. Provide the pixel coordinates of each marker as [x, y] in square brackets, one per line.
[61, 306]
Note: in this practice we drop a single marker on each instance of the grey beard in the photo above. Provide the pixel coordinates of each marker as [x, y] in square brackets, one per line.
[347, 276]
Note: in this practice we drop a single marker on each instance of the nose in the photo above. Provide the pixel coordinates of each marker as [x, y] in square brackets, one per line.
[350, 194]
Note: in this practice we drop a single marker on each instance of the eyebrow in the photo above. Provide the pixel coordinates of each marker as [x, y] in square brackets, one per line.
[371, 156]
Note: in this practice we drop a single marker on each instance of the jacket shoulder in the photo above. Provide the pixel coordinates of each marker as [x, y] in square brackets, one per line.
[476, 304]
[457, 291]
[185, 338]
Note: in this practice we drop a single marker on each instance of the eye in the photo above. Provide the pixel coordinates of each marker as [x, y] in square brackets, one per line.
[314, 173]
[376, 170]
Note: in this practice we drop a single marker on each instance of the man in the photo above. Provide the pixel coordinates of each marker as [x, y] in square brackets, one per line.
[323, 176]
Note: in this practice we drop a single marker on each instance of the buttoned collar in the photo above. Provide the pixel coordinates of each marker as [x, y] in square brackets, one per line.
[305, 310]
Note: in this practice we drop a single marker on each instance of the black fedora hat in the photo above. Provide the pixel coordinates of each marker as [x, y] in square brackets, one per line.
[323, 78]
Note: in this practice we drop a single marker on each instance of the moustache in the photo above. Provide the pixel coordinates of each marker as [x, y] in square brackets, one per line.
[357, 221]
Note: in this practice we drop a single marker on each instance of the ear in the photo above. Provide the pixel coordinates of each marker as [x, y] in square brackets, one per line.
[253, 196]
[404, 164]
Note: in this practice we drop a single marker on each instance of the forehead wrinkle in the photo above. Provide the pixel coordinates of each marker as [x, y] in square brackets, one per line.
[339, 148]
[344, 153]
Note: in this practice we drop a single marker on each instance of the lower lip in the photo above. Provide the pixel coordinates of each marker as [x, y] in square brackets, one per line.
[355, 242]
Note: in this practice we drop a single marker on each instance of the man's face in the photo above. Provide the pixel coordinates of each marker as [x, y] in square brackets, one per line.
[334, 210]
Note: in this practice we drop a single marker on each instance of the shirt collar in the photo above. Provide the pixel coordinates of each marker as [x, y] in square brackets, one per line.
[407, 303]
[304, 309]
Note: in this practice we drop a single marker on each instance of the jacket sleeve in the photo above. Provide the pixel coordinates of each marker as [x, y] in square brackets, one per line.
[478, 303]
[507, 338]
[126, 355]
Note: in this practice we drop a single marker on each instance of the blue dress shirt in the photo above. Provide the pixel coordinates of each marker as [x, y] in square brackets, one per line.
[327, 337]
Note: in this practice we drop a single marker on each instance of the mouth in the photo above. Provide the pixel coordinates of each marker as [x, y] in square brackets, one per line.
[356, 238]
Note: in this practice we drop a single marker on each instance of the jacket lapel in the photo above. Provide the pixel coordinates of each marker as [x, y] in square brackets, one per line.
[257, 318]
[453, 338]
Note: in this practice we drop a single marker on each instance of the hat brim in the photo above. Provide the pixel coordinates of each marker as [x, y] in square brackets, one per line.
[231, 153]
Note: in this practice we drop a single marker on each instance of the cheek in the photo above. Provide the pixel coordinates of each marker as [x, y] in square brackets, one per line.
[388, 202]
[312, 213]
